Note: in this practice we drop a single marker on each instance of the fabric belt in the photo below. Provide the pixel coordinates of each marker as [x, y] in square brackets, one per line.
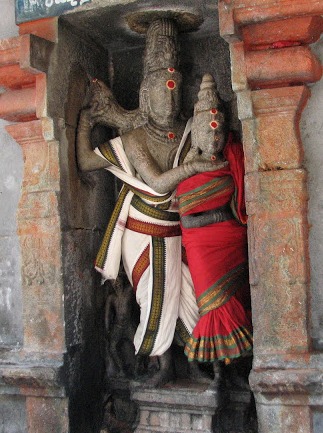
[151, 229]
[201, 219]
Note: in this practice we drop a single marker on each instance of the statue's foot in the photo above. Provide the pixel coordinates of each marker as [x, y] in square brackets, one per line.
[236, 380]
[198, 375]
[166, 372]
[159, 379]
[217, 370]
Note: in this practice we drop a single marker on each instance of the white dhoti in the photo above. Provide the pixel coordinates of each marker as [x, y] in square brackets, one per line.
[149, 240]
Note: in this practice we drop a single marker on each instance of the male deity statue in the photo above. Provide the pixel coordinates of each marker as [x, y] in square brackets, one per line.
[144, 228]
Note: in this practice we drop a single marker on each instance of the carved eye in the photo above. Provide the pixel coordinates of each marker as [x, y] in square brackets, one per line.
[171, 70]
[213, 111]
[214, 124]
[170, 84]
[171, 135]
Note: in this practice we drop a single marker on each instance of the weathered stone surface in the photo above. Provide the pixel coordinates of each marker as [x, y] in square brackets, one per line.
[277, 111]
[298, 30]
[13, 414]
[180, 408]
[282, 67]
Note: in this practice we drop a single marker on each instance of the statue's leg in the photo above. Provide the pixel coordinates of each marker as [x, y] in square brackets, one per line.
[218, 374]
[238, 377]
[166, 372]
[196, 374]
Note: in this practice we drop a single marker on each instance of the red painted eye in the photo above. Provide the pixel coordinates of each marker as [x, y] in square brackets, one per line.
[94, 80]
[171, 70]
[171, 135]
[214, 124]
[170, 84]
[213, 158]
[213, 110]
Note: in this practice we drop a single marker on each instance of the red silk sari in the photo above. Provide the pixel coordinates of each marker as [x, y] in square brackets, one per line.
[218, 260]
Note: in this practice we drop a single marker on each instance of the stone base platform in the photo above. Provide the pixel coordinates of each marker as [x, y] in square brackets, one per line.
[181, 407]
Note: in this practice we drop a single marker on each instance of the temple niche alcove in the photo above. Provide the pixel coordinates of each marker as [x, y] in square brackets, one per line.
[98, 43]
[53, 374]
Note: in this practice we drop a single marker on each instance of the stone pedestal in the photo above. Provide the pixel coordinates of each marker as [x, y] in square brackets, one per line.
[181, 407]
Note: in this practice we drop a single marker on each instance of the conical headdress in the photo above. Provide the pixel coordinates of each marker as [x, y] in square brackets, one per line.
[208, 96]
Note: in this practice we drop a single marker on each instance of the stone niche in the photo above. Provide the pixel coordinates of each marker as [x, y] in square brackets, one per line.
[98, 43]
[54, 374]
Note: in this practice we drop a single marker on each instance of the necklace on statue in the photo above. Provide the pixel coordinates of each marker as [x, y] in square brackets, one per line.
[171, 136]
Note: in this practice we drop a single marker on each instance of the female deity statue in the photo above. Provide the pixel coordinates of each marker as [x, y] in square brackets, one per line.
[214, 234]
[144, 228]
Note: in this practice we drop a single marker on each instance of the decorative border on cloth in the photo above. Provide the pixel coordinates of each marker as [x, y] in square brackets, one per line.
[153, 212]
[140, 267]
[108, 152]
[151, 229]
[100, 258]
[221, 347]
[158, 289]
[184, 151]
[182, 335]
[215, 188]
[149, 197]
[221, 291]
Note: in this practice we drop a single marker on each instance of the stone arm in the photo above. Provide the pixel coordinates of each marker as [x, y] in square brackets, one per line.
[87, 160]
[168, 181]
[151, 173]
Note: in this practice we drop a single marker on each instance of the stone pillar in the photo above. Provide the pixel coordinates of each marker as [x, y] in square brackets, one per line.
[31, 374]
[271, 65]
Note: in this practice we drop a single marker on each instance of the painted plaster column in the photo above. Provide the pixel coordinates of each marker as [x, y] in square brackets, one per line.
[32, 374]
[271, 65]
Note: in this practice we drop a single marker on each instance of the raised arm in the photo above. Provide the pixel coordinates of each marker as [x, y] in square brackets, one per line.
[87, 160]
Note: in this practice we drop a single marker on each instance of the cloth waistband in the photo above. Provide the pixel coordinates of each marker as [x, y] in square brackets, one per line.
[156, 230]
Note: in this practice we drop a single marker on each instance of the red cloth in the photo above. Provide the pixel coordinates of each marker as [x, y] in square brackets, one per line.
[217, 257]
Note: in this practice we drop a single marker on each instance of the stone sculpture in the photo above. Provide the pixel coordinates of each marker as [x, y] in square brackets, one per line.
[214, 233]
[144, 227]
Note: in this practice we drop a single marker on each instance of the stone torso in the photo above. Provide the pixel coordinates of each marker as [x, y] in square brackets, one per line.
[143, 149]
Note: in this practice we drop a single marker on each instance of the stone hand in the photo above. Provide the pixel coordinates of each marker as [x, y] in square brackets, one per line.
[200, 164]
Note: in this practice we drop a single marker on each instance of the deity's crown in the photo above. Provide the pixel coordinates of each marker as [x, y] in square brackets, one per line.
[208, 99]
[161, 46]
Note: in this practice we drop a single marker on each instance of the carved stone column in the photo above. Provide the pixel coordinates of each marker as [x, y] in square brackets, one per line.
[271, 65]
[32, 374]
